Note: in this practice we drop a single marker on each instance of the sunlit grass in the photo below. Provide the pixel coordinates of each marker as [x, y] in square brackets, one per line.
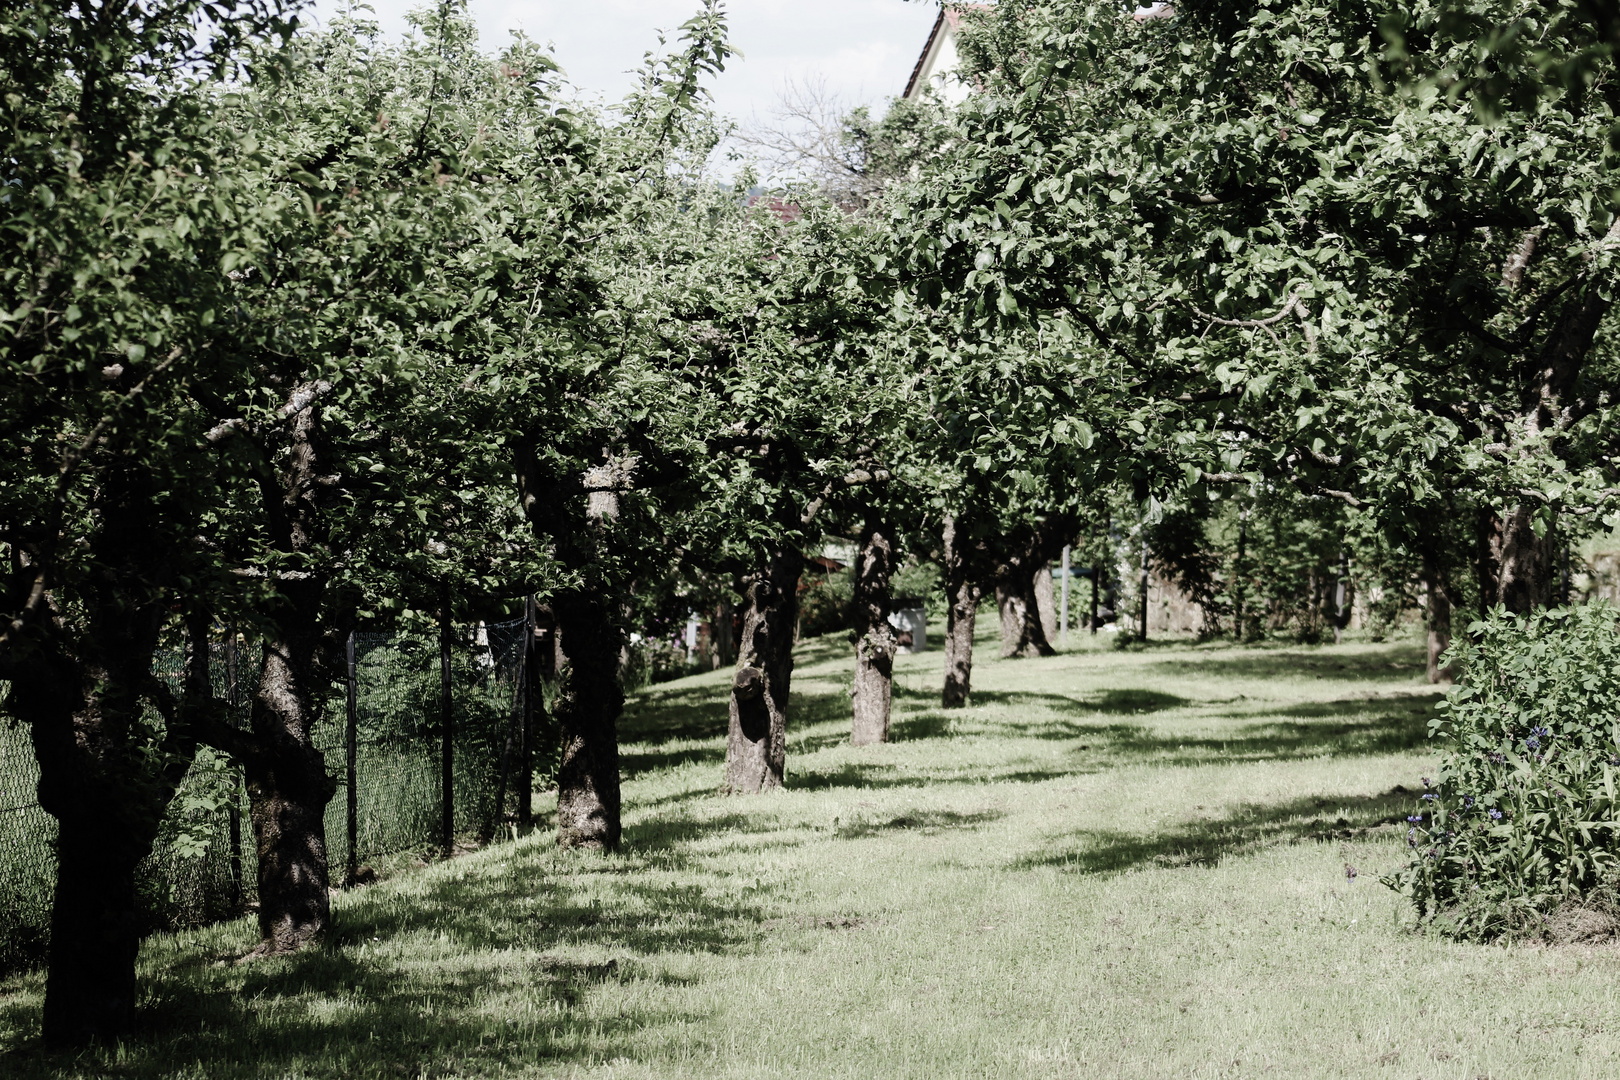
[1122, 864]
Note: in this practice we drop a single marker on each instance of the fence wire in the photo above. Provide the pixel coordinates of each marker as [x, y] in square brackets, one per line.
[203, 866]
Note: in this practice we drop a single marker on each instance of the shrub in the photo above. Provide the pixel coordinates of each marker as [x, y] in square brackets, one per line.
[1522, 819]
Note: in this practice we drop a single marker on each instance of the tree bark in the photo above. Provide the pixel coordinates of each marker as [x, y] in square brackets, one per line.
[875, 640]
[962, 593]
[720, 643]
[1524, 561]
[287, 782]
[588, 703]
[756, 739]
[82, 698]
[1045, 600]
[1021, 631]
[106, 826]
[1438, 618]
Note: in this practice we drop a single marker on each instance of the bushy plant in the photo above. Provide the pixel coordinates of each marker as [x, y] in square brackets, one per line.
[1523, 817]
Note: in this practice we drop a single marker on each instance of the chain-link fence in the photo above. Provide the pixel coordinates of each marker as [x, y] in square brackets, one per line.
[203, 868]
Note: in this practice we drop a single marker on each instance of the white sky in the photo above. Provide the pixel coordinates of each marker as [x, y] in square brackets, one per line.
[863, 50]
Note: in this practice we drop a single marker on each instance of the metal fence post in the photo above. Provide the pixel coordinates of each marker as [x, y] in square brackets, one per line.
[446, 723]
[1096, 587]
[525, 781]
[233, 816]
[351, 747]
[1063, 623]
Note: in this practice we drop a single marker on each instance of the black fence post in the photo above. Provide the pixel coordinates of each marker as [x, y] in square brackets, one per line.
[525, 778]
[233, 816]
[351, 747]
[1096, 587]
[446, 725]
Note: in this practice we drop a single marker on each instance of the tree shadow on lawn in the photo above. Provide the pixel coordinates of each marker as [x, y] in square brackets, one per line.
[1247, 829]
[356, 1008]
[1350, 726]
[926, 822]
[1391, 663]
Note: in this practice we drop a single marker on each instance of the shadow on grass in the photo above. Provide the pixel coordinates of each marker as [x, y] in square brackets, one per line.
[1391, 663]
[425, 982]
[1247, 829]
[926, 822]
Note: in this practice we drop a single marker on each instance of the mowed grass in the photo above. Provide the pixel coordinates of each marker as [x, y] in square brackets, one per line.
[1116, 864]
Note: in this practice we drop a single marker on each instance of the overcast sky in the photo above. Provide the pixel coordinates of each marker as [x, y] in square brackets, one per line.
[863, 49]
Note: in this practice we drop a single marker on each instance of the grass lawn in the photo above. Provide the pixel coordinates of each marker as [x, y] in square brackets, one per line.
[1125, 864]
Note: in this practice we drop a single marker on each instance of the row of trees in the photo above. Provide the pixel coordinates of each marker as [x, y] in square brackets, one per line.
[311, 331]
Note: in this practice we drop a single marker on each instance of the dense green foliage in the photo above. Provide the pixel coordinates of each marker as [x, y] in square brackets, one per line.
[1524, 814]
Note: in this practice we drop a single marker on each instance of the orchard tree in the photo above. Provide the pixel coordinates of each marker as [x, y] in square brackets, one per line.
[1298, 275]
[122, 206]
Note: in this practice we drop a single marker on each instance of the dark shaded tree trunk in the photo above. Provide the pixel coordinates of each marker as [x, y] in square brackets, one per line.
[107, 816]
[962, 594]
[875, 640]
[1524, 562]
[82, 700]
[287, 782]
[1438, 614]
[756, 739]
[588, 702]
[286, 779]
[721, 647]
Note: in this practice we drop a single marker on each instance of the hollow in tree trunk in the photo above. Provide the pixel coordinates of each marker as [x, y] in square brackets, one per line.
[875, 640]
[962, 594]
[588, 703]
[756, 740]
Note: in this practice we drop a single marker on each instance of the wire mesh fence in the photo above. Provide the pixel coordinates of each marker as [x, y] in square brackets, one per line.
[203, 868]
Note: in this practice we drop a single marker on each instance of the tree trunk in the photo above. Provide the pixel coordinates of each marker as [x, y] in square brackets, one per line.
[720, 643]
[962, 596]
[588, 704]
[1021, 631]
[875, 639]
[107, 820]
[1045, 600]
[95, 934]
[82, 699]
[1524, 562]
[1438, 615]
[756, 740]
[1487, 529]
[287, 783]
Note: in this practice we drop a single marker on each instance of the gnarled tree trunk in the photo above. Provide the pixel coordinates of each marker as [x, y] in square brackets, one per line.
[287, 783]
[875, 640]
[82, 700]
[962, 593]
[107, 814]
[756, 739]
[589, 700]
[1021, 631]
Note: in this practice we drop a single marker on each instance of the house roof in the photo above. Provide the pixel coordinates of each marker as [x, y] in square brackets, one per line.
[950, 21]
[946, 26]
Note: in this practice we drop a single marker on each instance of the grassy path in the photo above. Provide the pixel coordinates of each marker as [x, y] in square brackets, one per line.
[1124, 864]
